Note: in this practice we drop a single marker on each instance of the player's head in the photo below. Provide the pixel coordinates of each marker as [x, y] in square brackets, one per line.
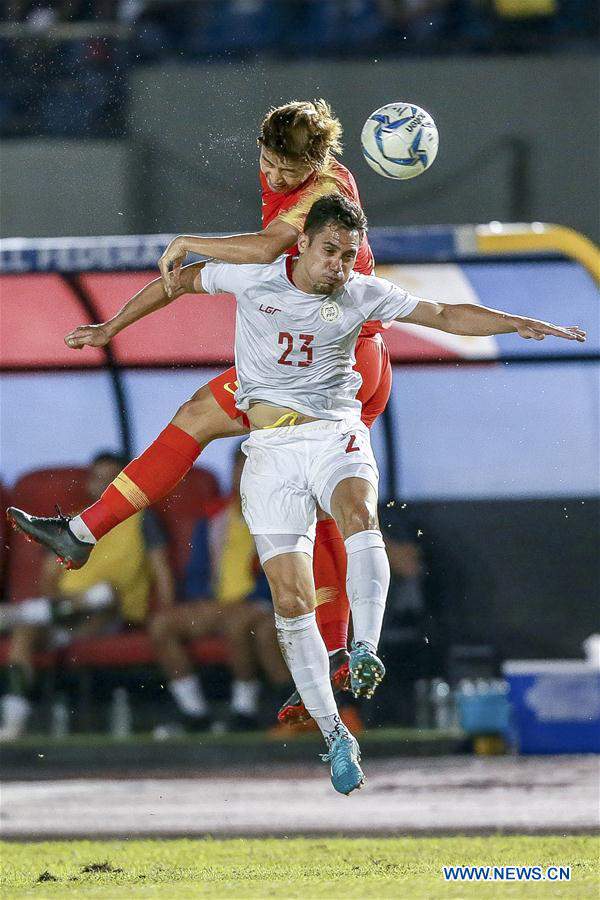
[104, 468]
[296, 140]
[329, 243]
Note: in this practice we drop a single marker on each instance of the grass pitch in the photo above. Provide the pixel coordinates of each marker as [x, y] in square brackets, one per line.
[305, 868]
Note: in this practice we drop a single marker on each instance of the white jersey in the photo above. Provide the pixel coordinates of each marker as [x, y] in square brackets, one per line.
[295, 349]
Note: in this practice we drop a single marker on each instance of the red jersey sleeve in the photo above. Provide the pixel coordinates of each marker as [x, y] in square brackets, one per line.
[293, 207]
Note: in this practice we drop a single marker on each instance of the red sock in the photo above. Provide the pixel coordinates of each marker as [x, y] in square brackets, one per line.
[329, 568]
[144, 481]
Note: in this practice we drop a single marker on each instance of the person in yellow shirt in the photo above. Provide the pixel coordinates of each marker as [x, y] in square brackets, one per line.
[111, 593]
[226, 592]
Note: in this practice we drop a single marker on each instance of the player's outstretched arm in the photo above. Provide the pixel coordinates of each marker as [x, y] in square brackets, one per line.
[471, 319]
[151, 298]
[260, 247]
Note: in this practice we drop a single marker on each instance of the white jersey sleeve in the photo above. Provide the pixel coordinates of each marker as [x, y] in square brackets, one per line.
[228, 278]
[393, 302]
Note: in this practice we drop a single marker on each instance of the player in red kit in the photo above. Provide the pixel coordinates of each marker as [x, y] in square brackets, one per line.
[298, 143]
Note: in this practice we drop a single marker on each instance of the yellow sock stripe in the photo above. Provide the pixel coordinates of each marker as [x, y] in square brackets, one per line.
[293, 420]
[132, 493]
[326, 595]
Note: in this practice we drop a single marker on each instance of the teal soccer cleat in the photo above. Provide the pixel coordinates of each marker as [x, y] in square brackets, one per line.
[344, 756]
[366, 671]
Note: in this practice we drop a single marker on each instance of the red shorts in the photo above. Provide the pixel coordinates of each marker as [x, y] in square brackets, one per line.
[372, 361]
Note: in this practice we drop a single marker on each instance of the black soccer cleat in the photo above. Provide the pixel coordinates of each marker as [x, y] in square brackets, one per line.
[294, 712]
[54, 533]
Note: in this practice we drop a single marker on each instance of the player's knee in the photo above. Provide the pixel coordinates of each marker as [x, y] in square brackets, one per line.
[291, 597]
[357, 517]
[196, 417]
[291, 604]
[354, 506]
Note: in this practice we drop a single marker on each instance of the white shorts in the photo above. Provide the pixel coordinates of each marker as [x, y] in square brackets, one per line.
[290, 470]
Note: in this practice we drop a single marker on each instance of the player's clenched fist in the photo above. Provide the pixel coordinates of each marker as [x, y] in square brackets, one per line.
[87, 336]
[170, 265]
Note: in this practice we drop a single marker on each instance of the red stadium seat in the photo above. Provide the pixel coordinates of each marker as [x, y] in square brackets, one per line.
[43, 660]
[120, 651]
[134, 649]
[181, 510]
[38, 492]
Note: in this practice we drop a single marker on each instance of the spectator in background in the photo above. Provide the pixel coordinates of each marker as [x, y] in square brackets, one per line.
[228, 594]
[112, 593]
[406, 624]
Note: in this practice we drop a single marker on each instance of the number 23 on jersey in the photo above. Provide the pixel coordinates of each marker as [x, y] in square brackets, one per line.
[286, 341]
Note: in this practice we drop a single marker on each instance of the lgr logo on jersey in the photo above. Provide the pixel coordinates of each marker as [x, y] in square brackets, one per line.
[330, 311]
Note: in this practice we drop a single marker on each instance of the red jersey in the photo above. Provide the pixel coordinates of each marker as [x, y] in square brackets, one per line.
[293, 207]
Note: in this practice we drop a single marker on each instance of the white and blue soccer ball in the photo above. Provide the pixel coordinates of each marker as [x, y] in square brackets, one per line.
[400, 140]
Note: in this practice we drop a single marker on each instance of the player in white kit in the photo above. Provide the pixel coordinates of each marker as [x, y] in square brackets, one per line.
[296, 327]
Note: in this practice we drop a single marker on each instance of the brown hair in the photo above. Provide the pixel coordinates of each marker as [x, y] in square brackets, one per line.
[302, 130]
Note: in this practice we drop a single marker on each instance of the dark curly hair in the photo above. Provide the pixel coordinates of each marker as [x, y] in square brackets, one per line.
[303, 130]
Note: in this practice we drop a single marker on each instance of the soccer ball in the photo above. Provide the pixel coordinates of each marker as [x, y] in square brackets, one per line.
[399, 140]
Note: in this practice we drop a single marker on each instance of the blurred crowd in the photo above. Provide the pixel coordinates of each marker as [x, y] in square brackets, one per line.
[180, 601]
[65, 62]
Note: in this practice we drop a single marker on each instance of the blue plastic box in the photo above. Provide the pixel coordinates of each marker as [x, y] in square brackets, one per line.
[555, 705]
[485, 713]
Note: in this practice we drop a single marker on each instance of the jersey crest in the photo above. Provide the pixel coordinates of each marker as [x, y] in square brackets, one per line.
[330, 311]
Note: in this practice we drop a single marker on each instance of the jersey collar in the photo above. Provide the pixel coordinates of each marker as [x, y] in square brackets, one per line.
[289, 269]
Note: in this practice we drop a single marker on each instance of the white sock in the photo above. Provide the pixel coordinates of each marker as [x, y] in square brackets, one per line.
[15, 712]
[306, 657]
[78, 527]
[367, 583]
[244, 697]
[331, 727]
[188, 695]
